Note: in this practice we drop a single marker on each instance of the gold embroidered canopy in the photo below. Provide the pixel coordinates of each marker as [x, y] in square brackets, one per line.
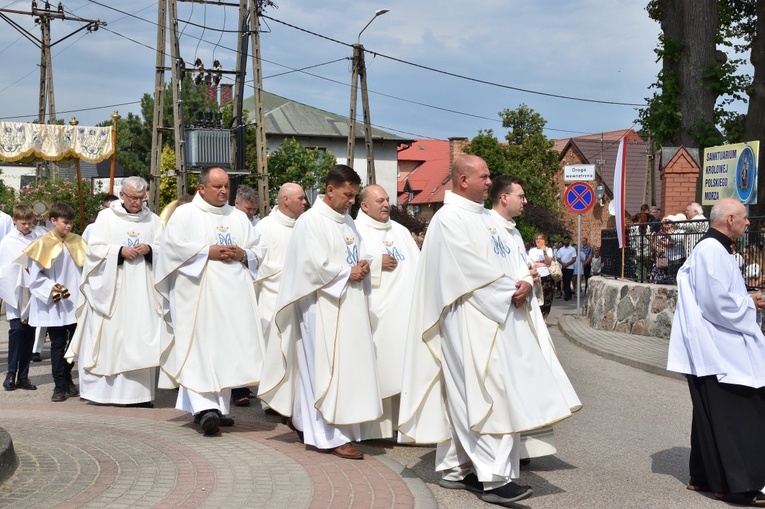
[28, 142]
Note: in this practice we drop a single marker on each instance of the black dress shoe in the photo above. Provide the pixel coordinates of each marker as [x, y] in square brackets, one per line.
[36, 357]
[225, 420]
[510, 492]
[291, 426]
[59, 395]
[10, 382]
[210, 422]
[470, 483]
[72, 389]
[24, 383]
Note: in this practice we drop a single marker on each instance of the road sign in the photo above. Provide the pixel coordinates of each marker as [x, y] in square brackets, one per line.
[578, 172]
[579, 197]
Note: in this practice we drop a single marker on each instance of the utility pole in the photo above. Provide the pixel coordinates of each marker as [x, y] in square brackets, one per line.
[159, 107]
[256, 9]
[167, 14]
[177, 73]
[359, 72]
[43, 17]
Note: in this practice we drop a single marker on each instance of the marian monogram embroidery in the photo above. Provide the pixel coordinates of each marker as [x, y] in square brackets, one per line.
[393, 251]
[499, 247]
[353, 251]
[133, 239]
[224, 236]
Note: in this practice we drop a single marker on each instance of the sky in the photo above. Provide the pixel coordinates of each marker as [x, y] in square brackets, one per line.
[438, 68]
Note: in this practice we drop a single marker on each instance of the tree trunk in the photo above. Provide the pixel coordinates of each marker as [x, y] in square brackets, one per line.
[696, 21]
[754, 124]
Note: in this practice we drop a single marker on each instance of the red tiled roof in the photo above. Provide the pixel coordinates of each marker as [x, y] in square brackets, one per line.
[608, 136]
[430, 179]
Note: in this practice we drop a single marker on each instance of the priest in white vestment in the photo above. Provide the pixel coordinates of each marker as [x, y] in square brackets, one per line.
[276, 230]
[320, 367]
[392, 271]
[507, 202]
[116, 343]
[475, 376]
[211, 337]
[717, 342]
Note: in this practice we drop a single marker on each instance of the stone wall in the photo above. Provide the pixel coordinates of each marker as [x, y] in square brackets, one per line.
[634, 308]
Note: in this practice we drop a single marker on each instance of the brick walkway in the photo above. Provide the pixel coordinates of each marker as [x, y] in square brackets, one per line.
[74, 454]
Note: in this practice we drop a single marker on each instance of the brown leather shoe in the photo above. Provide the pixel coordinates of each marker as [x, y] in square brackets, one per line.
[348, 451]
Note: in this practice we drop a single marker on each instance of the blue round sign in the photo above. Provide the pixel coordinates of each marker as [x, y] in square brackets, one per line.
[579, 197]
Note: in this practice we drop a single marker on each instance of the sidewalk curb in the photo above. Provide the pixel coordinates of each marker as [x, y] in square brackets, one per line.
[9, 461]
[582, 335]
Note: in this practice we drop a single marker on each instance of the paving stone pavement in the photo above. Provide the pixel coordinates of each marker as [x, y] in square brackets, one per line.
[76, 454]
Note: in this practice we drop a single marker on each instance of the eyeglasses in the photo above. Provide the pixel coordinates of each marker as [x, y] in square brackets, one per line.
[521, 196]
[132, 198]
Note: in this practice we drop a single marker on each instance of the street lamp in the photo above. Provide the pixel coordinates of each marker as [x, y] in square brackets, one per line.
[360, 73]
[377, 13]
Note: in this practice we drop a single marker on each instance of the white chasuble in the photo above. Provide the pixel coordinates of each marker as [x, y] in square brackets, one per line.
[391, 297]
[462, 304]
[212, 337]
[119, 310]
[275, 230]
[319, 307]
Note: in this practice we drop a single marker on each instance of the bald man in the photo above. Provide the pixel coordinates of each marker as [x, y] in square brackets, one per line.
[474, 374]
[207, 262]
[395, 256]
[717, 343]
[275, 231]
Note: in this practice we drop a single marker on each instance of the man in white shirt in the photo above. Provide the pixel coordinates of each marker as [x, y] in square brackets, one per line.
[567, 259]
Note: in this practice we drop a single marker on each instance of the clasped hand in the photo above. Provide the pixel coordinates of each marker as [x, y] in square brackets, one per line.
[226, 253]
[360, 271]
[759, 300]
[133, 252]
[522, 290]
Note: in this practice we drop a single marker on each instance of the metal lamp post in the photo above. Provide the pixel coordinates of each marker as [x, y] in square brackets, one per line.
[359, 71]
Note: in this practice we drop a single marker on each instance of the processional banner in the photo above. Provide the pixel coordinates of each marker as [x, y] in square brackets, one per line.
[24, 141]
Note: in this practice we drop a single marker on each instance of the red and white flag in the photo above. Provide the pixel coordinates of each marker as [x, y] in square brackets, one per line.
[620, 178]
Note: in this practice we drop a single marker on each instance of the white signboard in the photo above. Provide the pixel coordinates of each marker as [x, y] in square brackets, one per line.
[578, 172]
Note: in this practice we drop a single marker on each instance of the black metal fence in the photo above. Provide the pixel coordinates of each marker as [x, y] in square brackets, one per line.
[655, 251]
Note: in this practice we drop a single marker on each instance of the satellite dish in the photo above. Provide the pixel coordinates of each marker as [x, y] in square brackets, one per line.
[40, 207]
[612, 208]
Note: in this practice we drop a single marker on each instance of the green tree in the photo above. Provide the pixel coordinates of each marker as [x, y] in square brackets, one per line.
[7, 198]
[134, 133]
[49, 191]
[529, 155]
[168, 183]
[292, 162]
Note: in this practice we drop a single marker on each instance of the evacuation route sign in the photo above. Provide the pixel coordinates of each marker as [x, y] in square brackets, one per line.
[579, 197]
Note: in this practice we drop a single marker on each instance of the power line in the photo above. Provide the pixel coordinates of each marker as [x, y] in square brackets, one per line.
[79, 110]
[455, 75]
[303, 70]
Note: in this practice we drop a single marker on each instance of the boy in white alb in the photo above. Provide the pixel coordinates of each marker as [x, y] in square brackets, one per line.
[55, 269]
[14, 290]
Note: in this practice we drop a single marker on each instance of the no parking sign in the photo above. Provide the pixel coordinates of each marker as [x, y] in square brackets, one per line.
[579, 197]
